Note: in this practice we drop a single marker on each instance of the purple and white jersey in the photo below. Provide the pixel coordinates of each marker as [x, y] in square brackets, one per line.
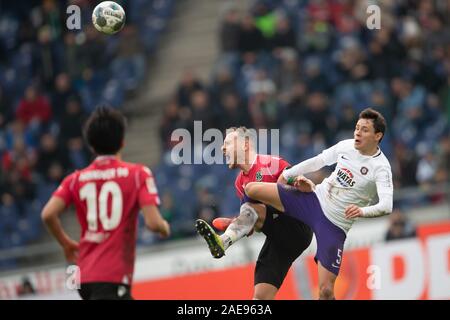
[365, 181]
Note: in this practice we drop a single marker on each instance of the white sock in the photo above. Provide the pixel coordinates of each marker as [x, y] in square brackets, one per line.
[241, 226]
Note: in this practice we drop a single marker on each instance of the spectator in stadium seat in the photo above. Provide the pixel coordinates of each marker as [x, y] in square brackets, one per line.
[427, 168]
[284, 36]
[207, 207]
[444, 152]
[318, 113]
[77, 153]
[33, 107]
[47, 57]
[229, 31]
[55, 174]
[49, 14]
[405, 166]
[314, 77]
[250, 37]
[168, 209]
[72, 120]
[21, 190]
[317, 36]
[50, 152]
[168, 123]
[399, 227]
[62, 93]
[189, 83]
[295, 102]
[223, 83]
[263, 105]
[20, 158]
[129, 63]
[6, 112]
[16, 131]
[287, 74]
[74, 58]
[202, 109]
[94, 55]
[233, 112]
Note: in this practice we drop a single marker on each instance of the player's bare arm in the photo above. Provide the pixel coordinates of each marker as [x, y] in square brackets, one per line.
[50, 216]
[301, 183]
[155, 222]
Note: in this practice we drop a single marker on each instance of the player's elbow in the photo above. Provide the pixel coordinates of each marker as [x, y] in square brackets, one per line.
[387, 208]
[46, 215]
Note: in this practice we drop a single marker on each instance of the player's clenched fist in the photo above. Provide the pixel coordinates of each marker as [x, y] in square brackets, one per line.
[71, 251]
[304, 184]
[353, 211]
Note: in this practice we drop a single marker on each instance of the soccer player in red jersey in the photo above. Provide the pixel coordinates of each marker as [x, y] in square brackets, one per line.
[285, 240]
[107, 196]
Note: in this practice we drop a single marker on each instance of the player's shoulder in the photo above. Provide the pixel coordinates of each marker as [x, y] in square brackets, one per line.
[346, 144]
[268, 158]
[70, 180]
[136, 167]
[381, 161]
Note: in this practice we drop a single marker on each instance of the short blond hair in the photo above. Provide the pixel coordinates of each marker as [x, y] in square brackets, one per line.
[244, 133]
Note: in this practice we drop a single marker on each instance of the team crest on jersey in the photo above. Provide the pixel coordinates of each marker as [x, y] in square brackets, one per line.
[345, 177]
[259, 176]
[364, 170]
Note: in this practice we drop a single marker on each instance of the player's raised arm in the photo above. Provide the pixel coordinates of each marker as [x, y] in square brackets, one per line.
[326, 158]
[50, 216]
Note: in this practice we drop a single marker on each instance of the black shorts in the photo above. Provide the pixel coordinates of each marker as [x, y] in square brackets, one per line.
[105, 291]
[286, 239]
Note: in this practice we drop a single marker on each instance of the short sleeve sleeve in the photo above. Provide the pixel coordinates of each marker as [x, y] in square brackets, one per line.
[65, 189]
[148, 193]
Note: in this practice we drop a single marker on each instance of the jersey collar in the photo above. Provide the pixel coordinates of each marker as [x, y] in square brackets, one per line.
[252, 166]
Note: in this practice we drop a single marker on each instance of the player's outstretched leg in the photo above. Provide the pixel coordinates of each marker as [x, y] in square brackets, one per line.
[212, 238]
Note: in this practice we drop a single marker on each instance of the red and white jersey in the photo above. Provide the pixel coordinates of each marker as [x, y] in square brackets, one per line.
[265, 168]
[107, 196]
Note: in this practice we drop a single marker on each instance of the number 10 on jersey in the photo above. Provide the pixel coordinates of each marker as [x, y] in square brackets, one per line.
[89, 194]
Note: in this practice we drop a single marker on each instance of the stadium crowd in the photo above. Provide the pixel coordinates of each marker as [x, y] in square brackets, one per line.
[51, 78]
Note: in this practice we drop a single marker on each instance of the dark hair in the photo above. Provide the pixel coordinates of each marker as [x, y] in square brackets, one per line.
[104, 131]
[379, 123]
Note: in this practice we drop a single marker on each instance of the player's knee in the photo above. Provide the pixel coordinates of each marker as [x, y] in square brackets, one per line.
[259, 225]
[261, 294]
[251, 189]
[326, 292]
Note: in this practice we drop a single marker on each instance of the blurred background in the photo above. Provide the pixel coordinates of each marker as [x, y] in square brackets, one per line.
[304, 67]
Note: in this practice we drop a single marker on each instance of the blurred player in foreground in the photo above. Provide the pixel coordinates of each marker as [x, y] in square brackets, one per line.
[286, 237]
[107, 196]
[362, 175]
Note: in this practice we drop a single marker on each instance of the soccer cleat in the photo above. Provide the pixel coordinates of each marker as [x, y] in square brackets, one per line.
[212, 238]
[222, 224]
